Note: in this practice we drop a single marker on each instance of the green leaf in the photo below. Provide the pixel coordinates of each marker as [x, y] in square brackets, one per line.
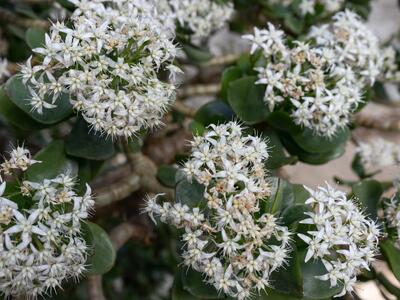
[246, 100]
[300, 193]
[369, 193]
[281, 195]
[88, 169]
[311, 158]
[35, 37]
[312, 143]
[289, 280]
[196, 54]
[392, 255]
[294, 214]
[84, 142]
[315, 288]
[197, 128]
[190, 193]
[102, 256]
[294, 24]
[53, 163]
[15, 116]
[214, 112]
[166, 175]
[230, 74]
[277, 157]
[283, 121]
[19, 94]
[178, 293]
[193, 283]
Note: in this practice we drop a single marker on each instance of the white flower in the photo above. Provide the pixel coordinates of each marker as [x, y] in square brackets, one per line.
[378, 153]
[226, 238]
[108, 60]
[342, 236]
[200, 17]
[41, 245]
[392, 215]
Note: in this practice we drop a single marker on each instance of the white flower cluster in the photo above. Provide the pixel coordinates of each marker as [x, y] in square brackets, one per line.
[322, 97]
[343, 238]
[353, 45]
[234, 245]
[391, 70]
[309, 6]
[40, 243]
[200, 17]
[378, 153]
[20, 159]
[4, 72]
[392, 215]
[108, 59]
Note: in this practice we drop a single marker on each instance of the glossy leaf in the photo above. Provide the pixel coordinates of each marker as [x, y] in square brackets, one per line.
[214, 112]
[84, 142]
[277, 156]
[246, 100]
[35, 37]
[166, 175]
[102, 253]
[54, 162]
[190, 193]
[283, 121]
[15, 116]
[281, 195]
[230, 74]
[392, 255]
[196, 54]
[178, 293]
[19, 94]
[369, 193]
[193, 283]
[314, 288]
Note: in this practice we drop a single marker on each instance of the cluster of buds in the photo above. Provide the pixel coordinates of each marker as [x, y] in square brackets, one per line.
[228, 238]
[109, 59]
[321, 79]
[378, 153]
[342, 237]
[40, 234]
[200, 17]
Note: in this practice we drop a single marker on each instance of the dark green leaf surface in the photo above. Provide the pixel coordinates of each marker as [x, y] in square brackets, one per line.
[35, 37]
[193, 283]
[166, 175]
[392, 255]
[369, 193]
[53, 163]
[19, 94]
[102, 253]
[214, 112]
[246, 100]
[84, 142]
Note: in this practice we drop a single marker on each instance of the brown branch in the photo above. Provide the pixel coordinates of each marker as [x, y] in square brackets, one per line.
[146, 169]
[200, 89]
[223, 60]
[7, 16]
[388, 123]
[126, 231]
[117, 191]
[95, 287]
[179, 106]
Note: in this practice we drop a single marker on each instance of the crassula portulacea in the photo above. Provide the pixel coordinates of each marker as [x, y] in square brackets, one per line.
[378, 153]
[342, 236]
[200, 17]
[320, 80]
[108, 59]
[227, 238]
[41, 244]
[392, 215]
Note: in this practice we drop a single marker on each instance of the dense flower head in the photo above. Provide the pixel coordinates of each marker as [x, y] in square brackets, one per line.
[40, 240]
[200, 17]
[353, 45]
[343, 238]
[310, 6]
[301, 75]
[378, 153]
[108, 59]
[228, 239]
[392, 215]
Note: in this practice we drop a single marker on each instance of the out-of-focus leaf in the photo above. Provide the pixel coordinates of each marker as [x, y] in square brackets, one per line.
[392, 255]
[166, 175]
[193, 283]
[35, 37]
[196, 54]
[214, 112]
[369, 193]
